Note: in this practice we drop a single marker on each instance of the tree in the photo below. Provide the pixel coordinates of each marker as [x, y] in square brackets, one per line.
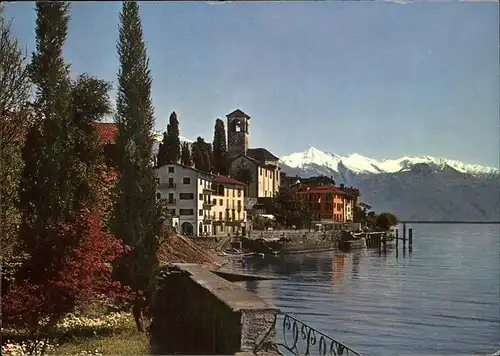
[173, 153]
[201, 155]
[135, 209]
[359, 214]
[385, 221]
[46, 194]
[15, 115]
[220, 157]
[186, 155]
[289, 210]
[163, 151]
[68, 256]
[90, 103]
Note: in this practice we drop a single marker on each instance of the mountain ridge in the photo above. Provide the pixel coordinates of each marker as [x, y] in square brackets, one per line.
[415, 188]
[357, 163]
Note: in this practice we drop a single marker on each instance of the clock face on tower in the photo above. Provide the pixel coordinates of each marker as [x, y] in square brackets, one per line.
[236, 139]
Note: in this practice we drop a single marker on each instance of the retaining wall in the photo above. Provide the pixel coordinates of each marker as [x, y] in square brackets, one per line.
[197, 312]
[295, 235]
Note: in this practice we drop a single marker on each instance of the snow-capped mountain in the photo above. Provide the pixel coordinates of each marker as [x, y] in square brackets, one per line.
[416, 188]
[360, 164]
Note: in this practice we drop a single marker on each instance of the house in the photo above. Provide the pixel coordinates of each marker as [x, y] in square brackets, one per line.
[328, 203]
[228, 211]
[188, 194]
[258, 164]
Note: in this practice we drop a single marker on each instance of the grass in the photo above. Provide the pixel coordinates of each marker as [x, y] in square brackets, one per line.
[91, 331]
[124, 339]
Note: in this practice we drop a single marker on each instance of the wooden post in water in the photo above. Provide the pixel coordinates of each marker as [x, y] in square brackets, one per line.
[397, 238]
[410, 239]
[404, 236]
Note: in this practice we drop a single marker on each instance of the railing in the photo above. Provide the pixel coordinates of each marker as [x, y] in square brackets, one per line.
[298, 338]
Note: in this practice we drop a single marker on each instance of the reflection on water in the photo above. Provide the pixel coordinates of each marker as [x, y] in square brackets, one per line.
[440, 299]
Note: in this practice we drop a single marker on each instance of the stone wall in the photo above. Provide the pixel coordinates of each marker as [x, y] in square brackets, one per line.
[295, 235]
[197, 312]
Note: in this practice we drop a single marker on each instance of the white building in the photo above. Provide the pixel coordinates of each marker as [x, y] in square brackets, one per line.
[188, 194]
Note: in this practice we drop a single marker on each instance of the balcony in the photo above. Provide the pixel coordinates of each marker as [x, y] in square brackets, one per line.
[207, 205]
[208, 191]
[207, 219]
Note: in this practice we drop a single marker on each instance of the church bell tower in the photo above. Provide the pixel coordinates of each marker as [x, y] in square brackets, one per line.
[237, 133]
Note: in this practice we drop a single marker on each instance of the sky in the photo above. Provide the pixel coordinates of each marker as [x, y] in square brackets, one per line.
[380, 79]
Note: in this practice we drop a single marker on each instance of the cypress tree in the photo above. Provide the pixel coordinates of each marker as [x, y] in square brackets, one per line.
[186, 155]
[163, 151]
[46, 194]
[219, 160]
[174, 143]
[136, 211]
[201, 155]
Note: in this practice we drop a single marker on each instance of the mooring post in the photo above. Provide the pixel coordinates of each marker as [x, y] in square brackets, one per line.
[404, 236]
[410, 239]
[397, 238]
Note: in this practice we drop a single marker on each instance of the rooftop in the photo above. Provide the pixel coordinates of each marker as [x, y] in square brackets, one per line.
[107, 131]
[261, 154]
[226, 180]
[237, 114]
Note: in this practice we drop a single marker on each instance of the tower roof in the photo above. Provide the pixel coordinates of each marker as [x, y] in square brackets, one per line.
[236, 114]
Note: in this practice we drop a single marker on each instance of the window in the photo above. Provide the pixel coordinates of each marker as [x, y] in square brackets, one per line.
[200, 196]
[233, 193]
[157, 180]
[200, 212]
[261, 171]
[221, 202]
[265, 173]
[271, 174]
[186, 212]
[171, 169]
[171, 182]
[186, 180]
[158, 196]
[214, 202]
[186, 196]
[239, 193]
[220, 215]
[172, 211]
[170, 197]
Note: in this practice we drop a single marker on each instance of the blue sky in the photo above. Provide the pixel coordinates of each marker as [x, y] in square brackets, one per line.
[379, 79]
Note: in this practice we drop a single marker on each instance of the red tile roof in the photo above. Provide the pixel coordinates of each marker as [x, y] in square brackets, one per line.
[226, 180]
[107, 131]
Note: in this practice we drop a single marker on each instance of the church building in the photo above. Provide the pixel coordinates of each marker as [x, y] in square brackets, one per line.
[260, 165]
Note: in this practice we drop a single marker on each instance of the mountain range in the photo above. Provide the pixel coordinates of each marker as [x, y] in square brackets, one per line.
[416, 188]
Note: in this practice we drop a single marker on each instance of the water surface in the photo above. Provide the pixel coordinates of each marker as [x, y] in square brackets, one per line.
[442, 299]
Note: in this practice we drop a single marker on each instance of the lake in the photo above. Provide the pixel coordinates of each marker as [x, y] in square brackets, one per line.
[442, 299]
